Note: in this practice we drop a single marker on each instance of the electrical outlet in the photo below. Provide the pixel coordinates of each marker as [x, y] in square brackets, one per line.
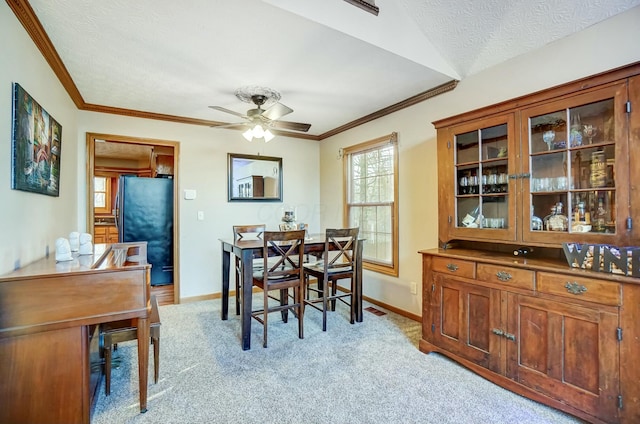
[414, 287]
[200, 215]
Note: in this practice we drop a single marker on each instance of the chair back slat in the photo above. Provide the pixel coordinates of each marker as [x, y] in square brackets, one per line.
[289, 251]
[240, 231]
[344, 242]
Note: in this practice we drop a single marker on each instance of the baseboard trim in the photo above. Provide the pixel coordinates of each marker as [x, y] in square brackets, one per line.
[386, 306]
[393, 309]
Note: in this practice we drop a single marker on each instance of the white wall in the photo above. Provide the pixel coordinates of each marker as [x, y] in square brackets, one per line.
[30, 222]
[203, 167]
[608, 45]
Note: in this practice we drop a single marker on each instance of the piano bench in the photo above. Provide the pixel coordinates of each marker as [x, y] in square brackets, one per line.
[112, 333]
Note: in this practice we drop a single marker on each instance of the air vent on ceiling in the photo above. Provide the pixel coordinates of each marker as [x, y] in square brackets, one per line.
[368, 5]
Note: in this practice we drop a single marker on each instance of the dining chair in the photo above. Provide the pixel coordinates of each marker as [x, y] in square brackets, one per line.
[112, 333]
[240, 232]
[282, 271]
[338, 263]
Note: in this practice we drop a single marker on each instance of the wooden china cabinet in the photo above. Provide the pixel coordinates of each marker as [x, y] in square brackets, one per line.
[517, 180]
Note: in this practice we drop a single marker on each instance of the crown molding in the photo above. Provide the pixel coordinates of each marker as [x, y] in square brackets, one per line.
[443, 88]
[27, 17]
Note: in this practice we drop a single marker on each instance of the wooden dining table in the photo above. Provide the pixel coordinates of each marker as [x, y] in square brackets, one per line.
[248, 250]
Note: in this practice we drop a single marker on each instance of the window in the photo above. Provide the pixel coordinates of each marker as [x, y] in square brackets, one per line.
[371, 200]
[102, 195]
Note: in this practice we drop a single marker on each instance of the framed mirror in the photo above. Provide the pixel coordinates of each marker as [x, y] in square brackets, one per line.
[254, 178]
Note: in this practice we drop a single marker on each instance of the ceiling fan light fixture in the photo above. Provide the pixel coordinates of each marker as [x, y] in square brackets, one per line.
[258, 131]
[248, 134]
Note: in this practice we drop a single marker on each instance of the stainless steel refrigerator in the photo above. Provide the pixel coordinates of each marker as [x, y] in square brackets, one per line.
[144, 212]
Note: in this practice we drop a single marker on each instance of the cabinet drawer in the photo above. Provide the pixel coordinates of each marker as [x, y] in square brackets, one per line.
[508, 276]
[589, 289]
[100, 229]
[455, 266]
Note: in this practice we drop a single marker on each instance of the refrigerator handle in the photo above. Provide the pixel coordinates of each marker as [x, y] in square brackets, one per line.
[116, 212]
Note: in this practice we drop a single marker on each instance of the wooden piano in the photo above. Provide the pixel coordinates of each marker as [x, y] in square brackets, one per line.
[50, 366]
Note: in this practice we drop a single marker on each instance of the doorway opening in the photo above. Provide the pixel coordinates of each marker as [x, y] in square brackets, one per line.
[109, 157]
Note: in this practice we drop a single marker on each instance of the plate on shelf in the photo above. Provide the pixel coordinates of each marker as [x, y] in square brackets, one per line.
[581, 228]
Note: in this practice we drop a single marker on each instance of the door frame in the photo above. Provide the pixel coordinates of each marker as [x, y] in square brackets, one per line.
[90, 171]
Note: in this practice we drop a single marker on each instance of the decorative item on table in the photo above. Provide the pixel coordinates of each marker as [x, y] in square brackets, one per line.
[74, 241]
[590, 131]
[288, 219]
[63, 250]
[86, 247]
[548, 137]
[305, 227]
[603, 258]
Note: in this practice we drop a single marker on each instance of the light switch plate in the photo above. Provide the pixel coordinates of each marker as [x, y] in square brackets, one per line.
[189, 194]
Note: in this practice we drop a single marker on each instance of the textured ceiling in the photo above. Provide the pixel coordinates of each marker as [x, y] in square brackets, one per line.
[333, 63]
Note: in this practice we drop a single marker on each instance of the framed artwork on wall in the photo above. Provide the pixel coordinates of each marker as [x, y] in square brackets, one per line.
[36, 146]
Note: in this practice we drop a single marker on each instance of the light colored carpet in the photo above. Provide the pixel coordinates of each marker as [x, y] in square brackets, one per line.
[370, 372]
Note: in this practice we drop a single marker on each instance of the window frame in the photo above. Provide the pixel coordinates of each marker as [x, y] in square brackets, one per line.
[107, 196]
[375, 144]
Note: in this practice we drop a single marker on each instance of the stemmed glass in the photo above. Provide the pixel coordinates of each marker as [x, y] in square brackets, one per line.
[548, 137]
[590, 131]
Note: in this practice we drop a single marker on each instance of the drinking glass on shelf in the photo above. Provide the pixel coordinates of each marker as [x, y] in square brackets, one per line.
[560, 183]
[545, 184]
[503, 180]
[464, 184]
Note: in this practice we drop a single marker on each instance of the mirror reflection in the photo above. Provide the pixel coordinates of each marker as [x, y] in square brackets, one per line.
[254, 178]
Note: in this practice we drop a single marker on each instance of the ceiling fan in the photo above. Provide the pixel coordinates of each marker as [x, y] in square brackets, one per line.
[265, 115]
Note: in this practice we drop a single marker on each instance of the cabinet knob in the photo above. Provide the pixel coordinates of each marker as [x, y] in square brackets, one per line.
[503, 276]
[575, 288]
[452, 267]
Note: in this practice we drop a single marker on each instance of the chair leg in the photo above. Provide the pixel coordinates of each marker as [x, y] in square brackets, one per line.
[325, 304]
[298, 293]
[334, 292]
[107, 366]
[238, 277]
[264, 317]
[155, 340]
[352, 303]
[284, 299]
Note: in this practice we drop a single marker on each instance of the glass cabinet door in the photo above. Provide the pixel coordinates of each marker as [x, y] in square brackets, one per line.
[574, 147]
[484, 197]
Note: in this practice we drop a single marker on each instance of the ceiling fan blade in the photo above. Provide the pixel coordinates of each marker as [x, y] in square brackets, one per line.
[277, 111]
[286, 125]
[236, 125]
[224, 109]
